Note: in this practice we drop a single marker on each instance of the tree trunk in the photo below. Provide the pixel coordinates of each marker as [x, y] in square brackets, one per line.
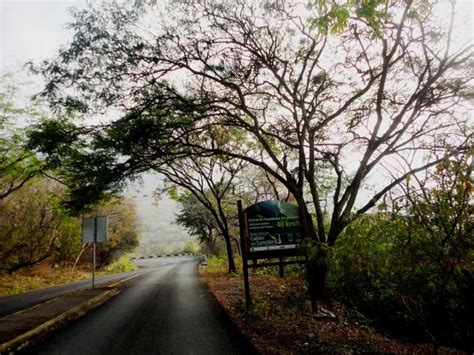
[316, 252]
[317, 270]
[230, 253]
[307, 227]
[237, 246]
[79, 256]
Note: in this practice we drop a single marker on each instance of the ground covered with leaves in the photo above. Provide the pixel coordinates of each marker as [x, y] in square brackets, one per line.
[280, 322]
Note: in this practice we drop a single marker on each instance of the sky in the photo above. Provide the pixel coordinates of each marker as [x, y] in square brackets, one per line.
[32, 29]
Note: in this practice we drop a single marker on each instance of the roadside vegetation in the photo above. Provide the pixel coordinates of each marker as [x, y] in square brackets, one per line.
[400, 279]
[40, 239]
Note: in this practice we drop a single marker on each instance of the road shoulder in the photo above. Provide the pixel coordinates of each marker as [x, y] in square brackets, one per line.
[20, 329]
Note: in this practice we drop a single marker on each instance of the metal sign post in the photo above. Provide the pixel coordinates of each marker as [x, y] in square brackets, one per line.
[94, 230]
[93, 253]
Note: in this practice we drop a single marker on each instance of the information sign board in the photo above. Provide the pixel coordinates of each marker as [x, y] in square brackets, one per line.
[269, 230]
[94, 230]
[272, 225]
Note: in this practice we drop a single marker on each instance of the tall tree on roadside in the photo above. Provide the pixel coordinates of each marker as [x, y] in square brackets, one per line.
[199, 221]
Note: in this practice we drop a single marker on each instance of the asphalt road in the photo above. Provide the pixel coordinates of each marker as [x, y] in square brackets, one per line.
[164, 311]
[15, 303]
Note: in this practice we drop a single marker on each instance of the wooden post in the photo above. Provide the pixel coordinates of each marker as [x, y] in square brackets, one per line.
[281, 268]
[242, 227]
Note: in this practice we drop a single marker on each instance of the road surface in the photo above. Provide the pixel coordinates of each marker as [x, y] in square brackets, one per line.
[15, 303]
[164, 311]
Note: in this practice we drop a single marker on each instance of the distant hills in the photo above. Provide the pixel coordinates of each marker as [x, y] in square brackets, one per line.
[158, 232]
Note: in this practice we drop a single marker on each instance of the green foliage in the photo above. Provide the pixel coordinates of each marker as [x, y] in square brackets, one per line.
[191, 247]
[34, 227]
[216, 263]
[219, 264]
[334, 16]
[123, 229]
[123, 264]
[17, 164]
[413, 269]
[31, 225]
[198, 220]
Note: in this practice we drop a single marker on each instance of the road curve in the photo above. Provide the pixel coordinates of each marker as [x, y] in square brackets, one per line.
[10, 304]
[164, 311]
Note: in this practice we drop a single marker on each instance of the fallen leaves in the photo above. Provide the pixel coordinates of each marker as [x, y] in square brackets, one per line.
[280, 321]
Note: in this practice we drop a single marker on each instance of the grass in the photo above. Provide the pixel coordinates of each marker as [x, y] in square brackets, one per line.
[219, 264]
[46, 275]
[123, 264]
[40, 276]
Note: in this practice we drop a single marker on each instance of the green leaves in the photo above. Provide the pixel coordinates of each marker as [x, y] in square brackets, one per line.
[334, 17]
[412, 267]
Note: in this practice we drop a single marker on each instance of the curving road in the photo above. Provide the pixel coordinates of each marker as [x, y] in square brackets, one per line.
[10, 304]
[164, 311]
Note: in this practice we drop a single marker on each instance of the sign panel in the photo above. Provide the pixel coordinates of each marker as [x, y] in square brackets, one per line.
[88, 230]
[102, 227]
[94, 225]
[273, 225]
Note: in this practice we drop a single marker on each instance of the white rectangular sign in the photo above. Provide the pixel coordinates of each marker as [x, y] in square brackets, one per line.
[88, 229]
[94, 225]
[101, 227]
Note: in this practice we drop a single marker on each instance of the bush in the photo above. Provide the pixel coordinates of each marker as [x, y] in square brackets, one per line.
[404, 278]
[123, 264]
[219, 263]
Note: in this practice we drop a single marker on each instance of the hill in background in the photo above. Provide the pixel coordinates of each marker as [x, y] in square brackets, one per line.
[158, 232]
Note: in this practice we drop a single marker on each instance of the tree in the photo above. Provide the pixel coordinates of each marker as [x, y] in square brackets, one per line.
[17, 165]
[123, 229]
[31, 225]
[440, 211]
[255, 185]
[209, 181]
[409, 265]
[370, 96]
[199, 221]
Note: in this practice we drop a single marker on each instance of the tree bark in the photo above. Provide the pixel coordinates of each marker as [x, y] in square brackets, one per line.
[230, 253]
[316, 252]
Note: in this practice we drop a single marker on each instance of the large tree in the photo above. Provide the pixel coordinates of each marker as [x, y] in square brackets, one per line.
[336, 93]
[199, 222]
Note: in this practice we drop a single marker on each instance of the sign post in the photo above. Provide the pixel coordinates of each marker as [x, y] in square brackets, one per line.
[269, 229]
[94, 230]
[93, 260]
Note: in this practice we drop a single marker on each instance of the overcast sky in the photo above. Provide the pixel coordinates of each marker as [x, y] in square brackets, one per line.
[34, 29]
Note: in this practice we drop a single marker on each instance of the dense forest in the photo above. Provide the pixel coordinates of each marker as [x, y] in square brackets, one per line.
[356, 112]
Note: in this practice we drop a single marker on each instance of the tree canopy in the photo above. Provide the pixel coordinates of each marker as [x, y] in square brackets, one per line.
[373, 93]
